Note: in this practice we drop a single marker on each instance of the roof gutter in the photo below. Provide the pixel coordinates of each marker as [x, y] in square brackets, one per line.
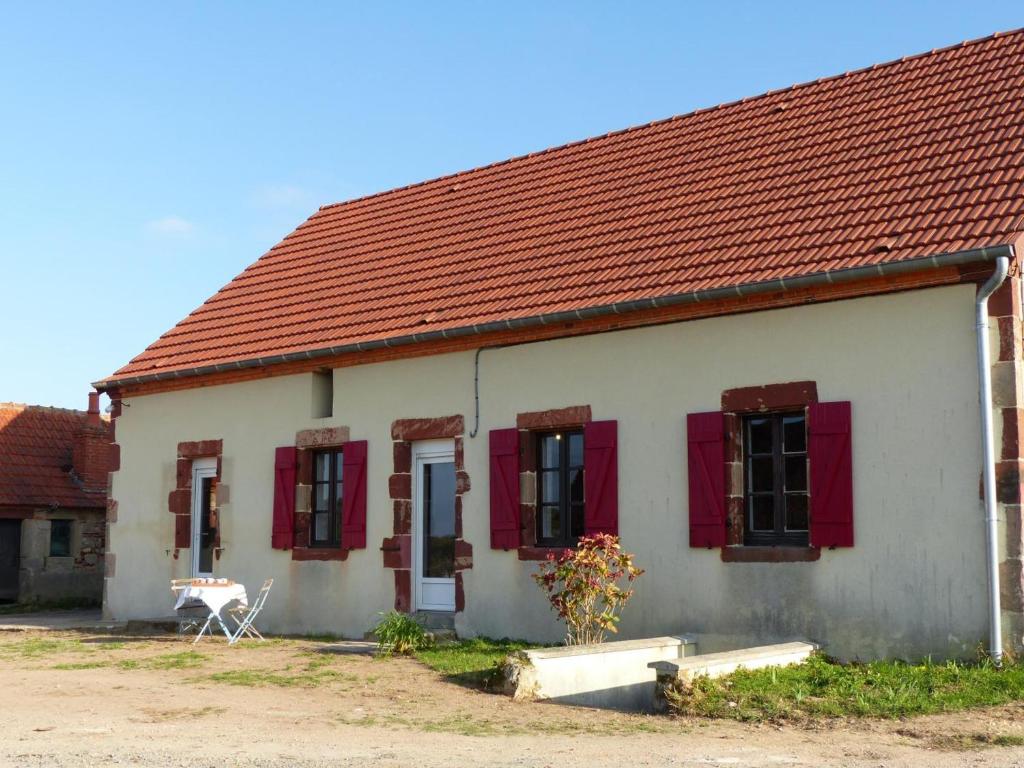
[907, 266]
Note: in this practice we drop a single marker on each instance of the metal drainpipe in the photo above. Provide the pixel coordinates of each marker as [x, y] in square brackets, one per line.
[988, 455]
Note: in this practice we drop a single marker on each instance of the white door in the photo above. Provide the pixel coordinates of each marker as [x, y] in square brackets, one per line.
[204, 515]
[433, 558]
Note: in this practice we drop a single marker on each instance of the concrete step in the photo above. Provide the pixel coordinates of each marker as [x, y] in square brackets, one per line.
[436, 621]
[721, 664]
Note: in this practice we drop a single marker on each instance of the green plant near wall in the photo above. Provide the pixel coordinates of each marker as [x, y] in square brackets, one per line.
[399, 633]
[588, 586]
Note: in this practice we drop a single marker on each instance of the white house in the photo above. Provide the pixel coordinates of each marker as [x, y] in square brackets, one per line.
[744, 339]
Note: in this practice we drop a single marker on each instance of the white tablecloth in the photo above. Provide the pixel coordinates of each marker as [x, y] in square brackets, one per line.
[216, 596]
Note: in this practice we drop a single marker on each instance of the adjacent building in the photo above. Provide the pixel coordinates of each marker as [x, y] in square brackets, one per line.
[54, 466]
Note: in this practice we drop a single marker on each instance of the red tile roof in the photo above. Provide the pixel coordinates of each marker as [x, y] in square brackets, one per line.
[35, 456]
[924, 155]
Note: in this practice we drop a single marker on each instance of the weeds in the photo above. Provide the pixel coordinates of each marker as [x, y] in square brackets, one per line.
[399, 633]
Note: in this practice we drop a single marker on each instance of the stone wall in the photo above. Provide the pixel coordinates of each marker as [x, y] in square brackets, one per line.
[1007, 399]
[78, 576]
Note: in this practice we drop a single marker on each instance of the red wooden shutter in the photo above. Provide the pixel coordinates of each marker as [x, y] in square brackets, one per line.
[830, 455]
[705, 462]
[353, 495]
[601, 478]
[284, 497]
[504, 449]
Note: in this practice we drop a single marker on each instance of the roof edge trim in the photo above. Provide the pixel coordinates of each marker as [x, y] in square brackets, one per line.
[956, 258]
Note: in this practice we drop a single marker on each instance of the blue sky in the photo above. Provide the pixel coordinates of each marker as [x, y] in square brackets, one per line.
[150, 151]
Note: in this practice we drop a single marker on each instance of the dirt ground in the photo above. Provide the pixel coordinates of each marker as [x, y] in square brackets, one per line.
[76, 699]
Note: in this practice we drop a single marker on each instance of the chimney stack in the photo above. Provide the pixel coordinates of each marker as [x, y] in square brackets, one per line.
[90, 456]
[94, 409]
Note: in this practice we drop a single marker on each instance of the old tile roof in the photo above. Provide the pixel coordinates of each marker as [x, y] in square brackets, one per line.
[917, 157]
[35, 457]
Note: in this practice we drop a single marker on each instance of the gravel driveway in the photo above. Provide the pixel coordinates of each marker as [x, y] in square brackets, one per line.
[88, 698]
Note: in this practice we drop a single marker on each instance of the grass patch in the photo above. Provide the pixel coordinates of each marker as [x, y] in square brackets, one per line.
[266, 642]
[473, 662]
[314, 673]
[1007, 740]
[255, 677]
[313, 637]
[823, 688]
[964, 742]
[185, 659]
[36, 647]
[185, 713]
[116, 645]
[473, 724]
[81, 665]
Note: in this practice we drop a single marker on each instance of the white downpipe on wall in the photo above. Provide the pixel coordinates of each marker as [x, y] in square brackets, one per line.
[988, 455]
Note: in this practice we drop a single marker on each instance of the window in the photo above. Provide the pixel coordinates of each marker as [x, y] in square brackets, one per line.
[559, 488]
[60, 538]
[438, 499]
[323, 394]
[325, 530]
[775, 479]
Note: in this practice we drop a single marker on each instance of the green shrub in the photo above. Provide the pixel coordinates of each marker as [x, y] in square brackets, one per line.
[399, 633]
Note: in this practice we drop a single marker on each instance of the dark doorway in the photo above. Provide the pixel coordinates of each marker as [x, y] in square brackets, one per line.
[10, 559]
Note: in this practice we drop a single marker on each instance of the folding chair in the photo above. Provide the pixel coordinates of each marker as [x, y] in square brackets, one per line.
[243, 615]
[192, 614]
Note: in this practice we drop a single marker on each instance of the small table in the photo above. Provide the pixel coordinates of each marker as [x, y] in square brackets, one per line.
[214, 594]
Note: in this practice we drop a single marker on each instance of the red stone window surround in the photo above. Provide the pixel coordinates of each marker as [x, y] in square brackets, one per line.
[179, 501]
[308, 442]
[528, 425]
[737, 403]
[397, 549]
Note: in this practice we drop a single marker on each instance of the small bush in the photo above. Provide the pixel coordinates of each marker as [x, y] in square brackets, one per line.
[584, 588]
[399, 633]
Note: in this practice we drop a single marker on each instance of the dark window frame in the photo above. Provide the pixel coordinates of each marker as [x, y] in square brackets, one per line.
[67, 525]
[570, 512]
[208, 522]
[446, 547]
[780, 535]
[335, 477]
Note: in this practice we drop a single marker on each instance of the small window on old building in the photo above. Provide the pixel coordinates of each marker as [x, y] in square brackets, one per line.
[325, 528]
[775, 479]
[559, 488]
[60, 538]
[323, 394]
